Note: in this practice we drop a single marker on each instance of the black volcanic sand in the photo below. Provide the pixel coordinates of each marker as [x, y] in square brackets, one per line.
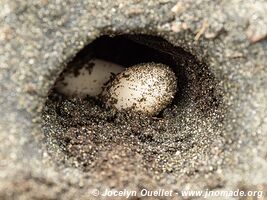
[38, 39]
[100, 140]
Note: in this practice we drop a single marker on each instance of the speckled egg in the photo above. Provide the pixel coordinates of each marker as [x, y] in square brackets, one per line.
[144, 88]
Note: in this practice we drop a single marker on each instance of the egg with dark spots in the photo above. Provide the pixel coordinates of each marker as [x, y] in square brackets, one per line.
[145, 88]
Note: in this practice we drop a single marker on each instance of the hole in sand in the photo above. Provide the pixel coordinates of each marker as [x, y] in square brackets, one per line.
[80, 132]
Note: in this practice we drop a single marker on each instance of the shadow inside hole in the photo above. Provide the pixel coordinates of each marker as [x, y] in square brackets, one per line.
[195, 83]
[129, 50]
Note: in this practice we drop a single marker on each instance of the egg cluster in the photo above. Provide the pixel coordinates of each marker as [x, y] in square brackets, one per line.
[145, 88]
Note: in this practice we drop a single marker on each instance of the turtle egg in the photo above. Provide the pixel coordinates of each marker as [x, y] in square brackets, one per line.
[144, 88]
[89, 80]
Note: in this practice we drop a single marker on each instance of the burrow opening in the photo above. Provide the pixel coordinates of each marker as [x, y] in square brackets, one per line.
[84, 134]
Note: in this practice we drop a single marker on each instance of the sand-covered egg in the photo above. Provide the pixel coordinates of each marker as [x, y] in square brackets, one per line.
[145, 88]
[89, 79]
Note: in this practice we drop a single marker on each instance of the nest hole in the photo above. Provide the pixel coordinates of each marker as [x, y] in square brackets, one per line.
[87, 136]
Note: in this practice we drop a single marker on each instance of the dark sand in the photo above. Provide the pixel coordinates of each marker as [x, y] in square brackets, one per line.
[211, 138]
[184, 139]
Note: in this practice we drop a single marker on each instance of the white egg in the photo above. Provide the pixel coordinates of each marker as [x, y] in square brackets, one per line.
[145, 88]
[90, 80]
